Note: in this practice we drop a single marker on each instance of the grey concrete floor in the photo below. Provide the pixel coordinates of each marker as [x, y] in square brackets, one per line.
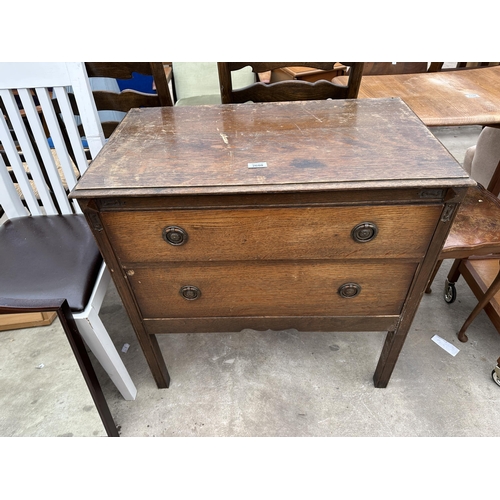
[267, 384]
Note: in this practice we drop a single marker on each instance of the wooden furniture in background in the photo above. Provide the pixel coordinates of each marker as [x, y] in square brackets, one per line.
[370, 68]
[483, 277]
[287, 90]
[439, 66]
[474, 235]
[398, 68]
[315, 215]
[128, 99]
[474, 239]
[25, 320]
[306, 74]
[443, 98]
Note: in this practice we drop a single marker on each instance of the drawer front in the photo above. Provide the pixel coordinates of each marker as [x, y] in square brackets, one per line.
[271, 233]
[271, 289]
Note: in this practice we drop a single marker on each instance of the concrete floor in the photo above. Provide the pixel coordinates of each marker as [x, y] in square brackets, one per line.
[252, 383]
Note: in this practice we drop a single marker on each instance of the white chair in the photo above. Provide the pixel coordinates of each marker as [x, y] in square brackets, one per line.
[481, 160]
[51, 246]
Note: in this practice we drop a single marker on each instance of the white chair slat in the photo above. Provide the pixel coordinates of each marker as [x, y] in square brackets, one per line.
[34, 168]
[9, 197]
[16, 164]
[86, 105]
[57, 136]
[45, 152]
[71, 129]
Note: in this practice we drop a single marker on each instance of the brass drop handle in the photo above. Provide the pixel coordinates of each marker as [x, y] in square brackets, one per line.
[190, 292]
[349, 290]
[175, 235]
[364, 232]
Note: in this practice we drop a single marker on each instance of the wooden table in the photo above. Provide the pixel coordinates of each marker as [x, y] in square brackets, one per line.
[317, 215]
[446, 98]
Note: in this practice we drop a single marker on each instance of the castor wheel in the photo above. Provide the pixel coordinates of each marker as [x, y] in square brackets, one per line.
[450, 292]
[495, 375]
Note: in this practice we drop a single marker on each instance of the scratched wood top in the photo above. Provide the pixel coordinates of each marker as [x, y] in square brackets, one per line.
[333, 145]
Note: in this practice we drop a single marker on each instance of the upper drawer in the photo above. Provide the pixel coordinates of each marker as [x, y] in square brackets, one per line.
[271, 233]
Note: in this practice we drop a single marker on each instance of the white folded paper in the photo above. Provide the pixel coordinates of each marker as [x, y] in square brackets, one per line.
[449, 348]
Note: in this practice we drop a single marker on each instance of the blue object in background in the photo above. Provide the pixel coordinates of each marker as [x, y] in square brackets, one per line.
[51, 143]
[141, 83]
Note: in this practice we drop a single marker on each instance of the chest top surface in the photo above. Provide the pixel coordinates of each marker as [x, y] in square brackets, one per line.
[270, 147]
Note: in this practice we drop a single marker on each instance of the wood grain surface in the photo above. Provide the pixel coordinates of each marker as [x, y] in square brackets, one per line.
[271, 288]
[269, 245]
[272, 233]
[305, 145]
[447, 98]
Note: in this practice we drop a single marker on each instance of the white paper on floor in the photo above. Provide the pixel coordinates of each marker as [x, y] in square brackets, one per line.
[449, 348]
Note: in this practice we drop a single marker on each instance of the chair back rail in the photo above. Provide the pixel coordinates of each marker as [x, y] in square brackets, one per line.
[120, 70]
[288, 90]
[37, 181]
[125, 100]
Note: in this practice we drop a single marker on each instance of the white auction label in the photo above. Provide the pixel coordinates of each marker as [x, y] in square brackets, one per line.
[449, 348]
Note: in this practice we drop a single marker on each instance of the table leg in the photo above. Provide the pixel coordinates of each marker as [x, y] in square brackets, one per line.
[154, 358]
[387, 361]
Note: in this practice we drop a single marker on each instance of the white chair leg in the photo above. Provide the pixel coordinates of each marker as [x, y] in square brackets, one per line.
[97, 338]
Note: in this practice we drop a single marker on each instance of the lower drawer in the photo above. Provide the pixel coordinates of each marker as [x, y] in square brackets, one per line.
[272, 288]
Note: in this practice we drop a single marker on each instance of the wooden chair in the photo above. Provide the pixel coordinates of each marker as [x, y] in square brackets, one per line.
[288, 90]
[474, 239]
[127, 99]
[48, 253]
[197, 83]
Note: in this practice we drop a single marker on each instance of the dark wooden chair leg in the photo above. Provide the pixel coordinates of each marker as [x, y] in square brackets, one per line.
[489, 294]
[433, 275]
[61, 307]
[454, 272]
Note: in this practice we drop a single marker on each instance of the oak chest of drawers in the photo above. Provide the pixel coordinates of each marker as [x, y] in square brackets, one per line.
[318, 215]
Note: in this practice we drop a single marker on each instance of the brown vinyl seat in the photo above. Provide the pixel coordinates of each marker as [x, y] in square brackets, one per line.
[288, 90]
[44, 261]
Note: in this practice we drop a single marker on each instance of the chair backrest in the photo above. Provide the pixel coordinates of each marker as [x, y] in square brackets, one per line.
[197, 83]
[485, 166]
[287, 90]
[37, 181]
[127, 99]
